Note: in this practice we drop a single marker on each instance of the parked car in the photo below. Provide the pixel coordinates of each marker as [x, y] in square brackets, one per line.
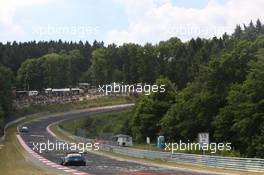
[73, 159]
[24, 129]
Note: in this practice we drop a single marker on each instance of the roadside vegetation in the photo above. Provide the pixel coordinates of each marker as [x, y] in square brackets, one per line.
[103, 125]
[224, 99]
[6, 81]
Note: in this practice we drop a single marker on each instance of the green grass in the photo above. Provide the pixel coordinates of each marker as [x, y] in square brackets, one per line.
[100, 125]
[13, 158]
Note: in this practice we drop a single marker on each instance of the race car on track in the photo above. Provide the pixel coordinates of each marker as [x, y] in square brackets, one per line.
[73, 159]
[24, 129]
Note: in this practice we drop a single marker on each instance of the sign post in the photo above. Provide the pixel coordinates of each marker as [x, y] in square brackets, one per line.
[148, 142]
[203, 140]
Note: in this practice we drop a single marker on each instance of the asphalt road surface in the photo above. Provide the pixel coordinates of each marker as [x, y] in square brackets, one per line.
[95, 164]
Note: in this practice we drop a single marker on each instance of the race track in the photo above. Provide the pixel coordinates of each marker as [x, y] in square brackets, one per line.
[96, 164]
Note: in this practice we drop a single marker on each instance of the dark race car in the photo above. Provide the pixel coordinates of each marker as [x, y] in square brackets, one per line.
[73, 159]
[24, 129]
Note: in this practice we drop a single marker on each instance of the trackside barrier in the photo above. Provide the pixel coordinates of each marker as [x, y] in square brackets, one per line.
[232, 163]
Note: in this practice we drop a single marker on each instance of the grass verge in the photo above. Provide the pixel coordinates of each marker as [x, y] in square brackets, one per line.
[14, 159]
[98, 125]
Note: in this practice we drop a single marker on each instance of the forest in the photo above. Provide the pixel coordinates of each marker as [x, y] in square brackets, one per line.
[213, 85]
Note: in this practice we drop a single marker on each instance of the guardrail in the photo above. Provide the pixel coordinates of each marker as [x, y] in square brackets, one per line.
[232, 163]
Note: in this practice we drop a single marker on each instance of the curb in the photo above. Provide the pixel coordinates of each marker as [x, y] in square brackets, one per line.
[47, 162]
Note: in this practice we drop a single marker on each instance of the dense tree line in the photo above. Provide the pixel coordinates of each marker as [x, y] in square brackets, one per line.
[12, 55]
[6, 81]
[129, 63]
[212, 85]
[51, 70]
[225, 98]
